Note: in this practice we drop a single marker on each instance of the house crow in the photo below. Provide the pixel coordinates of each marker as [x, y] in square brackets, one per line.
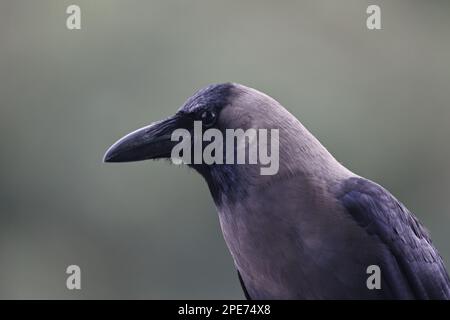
[313, 229]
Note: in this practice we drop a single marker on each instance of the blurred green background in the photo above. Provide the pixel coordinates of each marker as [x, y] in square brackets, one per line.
[378, 100]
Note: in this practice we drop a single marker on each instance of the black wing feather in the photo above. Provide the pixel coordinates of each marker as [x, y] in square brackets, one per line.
[247, 296]
[376, 210]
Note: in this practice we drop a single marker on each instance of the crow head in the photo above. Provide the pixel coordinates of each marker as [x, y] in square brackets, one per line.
[220, 107]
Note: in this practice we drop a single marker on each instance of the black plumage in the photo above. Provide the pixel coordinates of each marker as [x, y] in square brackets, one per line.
[419, 270]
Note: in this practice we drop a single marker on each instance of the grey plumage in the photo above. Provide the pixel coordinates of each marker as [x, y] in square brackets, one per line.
[310, 231]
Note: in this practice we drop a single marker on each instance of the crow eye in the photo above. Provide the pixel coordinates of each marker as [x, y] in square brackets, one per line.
[208, 118]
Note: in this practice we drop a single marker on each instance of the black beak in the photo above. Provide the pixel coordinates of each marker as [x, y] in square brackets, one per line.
[150, 142]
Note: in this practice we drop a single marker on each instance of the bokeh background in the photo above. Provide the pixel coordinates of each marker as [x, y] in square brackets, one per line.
[378, 100]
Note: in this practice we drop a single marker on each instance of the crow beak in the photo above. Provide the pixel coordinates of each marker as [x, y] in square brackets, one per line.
[150, 142]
